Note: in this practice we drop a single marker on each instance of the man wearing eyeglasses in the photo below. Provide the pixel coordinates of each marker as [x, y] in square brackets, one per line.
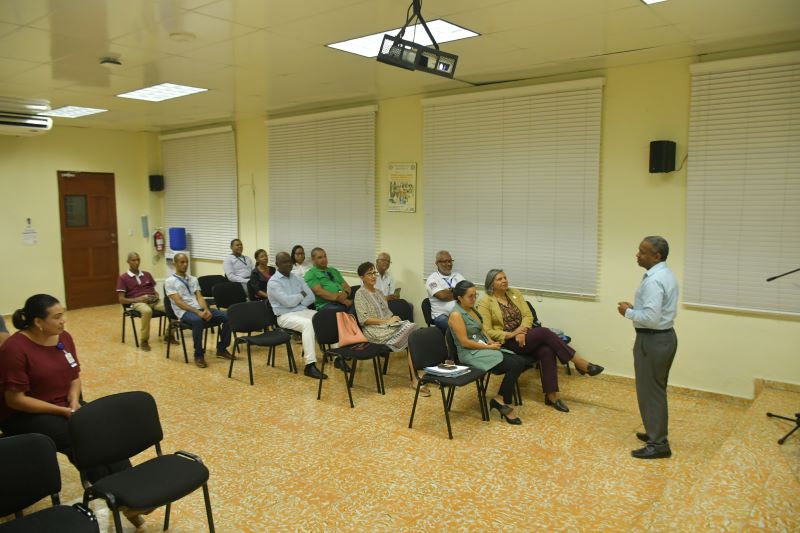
[440, 289]
[327, 284]
[384, 282]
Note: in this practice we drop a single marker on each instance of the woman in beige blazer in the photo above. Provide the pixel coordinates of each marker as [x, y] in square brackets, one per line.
[508, 320]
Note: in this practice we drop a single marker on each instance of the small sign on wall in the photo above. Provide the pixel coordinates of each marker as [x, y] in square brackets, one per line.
[403, 187]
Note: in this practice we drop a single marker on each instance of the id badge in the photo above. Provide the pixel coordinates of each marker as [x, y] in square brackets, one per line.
[71, 360]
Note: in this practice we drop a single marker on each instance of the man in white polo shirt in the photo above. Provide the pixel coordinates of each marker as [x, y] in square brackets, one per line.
[440, 289]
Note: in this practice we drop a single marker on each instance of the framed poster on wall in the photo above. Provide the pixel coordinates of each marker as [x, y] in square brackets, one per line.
[403, 187]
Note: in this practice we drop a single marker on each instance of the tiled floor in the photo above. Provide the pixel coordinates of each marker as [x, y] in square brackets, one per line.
[282, 461]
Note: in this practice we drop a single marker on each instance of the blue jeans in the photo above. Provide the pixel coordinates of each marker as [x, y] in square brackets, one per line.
[219, 318]
[336, 306]
[441, 322]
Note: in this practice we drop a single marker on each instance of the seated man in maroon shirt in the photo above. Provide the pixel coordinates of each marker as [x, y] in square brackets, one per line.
[138, 289]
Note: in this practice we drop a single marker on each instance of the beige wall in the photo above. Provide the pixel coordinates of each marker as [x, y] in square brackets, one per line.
[718, 351]
[29, 189]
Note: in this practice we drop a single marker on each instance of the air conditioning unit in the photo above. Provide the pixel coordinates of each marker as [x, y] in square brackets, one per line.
[20, 117]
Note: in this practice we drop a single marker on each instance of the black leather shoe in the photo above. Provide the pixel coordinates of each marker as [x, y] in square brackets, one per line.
[341, 365]
[642, 436]
[558, 405]
[652, 452]
[312, 371]
[592, 369]
[502, 409]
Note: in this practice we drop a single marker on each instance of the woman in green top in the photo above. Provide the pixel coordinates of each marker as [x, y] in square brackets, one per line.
[476, 349]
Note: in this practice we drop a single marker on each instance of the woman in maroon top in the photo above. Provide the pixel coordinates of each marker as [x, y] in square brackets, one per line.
[40, 380]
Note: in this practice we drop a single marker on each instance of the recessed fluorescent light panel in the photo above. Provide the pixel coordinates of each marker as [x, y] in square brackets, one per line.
[648, 2]
[71, 111]
[370, 45]
[164, 91]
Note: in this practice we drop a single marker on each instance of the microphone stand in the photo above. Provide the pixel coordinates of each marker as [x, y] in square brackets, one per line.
[796, 418]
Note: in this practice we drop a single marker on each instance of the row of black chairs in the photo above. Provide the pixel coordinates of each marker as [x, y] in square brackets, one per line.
[106, 431]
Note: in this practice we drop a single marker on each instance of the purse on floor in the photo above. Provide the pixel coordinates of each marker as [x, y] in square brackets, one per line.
[349, 332]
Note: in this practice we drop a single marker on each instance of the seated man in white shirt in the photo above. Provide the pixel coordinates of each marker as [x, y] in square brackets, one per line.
[384, 282]
[440, 289]
[290, 297]
[238, 267]
[190, 307]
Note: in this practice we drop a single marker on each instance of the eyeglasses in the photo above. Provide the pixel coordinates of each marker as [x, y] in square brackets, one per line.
[371, 273]
[446, 261]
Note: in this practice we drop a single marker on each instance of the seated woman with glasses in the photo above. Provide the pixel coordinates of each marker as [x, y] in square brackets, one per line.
[378, 323]
[299, 264]
[509, 321]
[476, 349]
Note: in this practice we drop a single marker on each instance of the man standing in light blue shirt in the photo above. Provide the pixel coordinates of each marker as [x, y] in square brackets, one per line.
[290, 297]
[653, 313]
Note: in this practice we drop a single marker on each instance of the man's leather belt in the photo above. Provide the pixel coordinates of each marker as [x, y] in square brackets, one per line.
[653, 331]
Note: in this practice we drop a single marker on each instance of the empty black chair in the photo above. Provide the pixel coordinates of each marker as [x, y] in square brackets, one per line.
[537, 323]
[129, 312]
[327, 333]
[207, 286]
[30, 472]
[117, 427]
[173, 323]
[228, 293]
[428, 348]
[246, 317]
[426, 311]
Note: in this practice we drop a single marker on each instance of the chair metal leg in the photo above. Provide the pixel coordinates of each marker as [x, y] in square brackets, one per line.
[183, 343]
[290, 356]
[414, 407]
[135, 335]
[250, 363]
[446, 413]
[322, 373]
[376, 369]
[169, 333]
[348, 380]
[207, 499]
[230, 366]
[569, 372]
[166, 516]
[123, 328]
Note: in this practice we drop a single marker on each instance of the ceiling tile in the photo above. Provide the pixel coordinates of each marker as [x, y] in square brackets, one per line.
[23, 11]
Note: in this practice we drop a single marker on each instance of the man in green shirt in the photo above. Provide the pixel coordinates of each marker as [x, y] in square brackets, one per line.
[327, 284]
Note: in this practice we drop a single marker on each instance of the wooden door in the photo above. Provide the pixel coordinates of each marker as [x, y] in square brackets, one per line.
[88, 237]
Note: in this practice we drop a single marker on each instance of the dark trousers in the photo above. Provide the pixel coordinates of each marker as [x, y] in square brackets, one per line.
[219, 318]
[336, 307]
[653, 354]
[511, 367]
[57, 428]
[544, 346]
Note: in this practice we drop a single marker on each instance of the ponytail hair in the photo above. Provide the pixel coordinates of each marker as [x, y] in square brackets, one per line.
[35, 307]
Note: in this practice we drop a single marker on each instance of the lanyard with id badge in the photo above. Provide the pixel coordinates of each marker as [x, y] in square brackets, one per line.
[69, 357]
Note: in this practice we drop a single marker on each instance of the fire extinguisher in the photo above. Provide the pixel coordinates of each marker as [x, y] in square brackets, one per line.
[158, 241]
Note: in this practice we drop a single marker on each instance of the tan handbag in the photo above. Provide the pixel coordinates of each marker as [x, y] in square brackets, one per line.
[349, 332]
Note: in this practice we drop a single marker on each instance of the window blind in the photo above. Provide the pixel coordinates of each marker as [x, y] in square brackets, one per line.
[743, 184]
[511, 182]
[200, 183]
[322, 185]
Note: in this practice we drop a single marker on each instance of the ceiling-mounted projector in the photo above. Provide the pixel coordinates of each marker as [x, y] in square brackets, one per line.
[412, 56]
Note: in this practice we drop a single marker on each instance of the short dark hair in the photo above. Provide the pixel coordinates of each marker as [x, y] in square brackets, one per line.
[35, 307]
[234, 240]
[659, 244]
[461, 288]
[315, 250]
[364, 267]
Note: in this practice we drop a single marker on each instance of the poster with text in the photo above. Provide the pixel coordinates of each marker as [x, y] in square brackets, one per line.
[403, 187]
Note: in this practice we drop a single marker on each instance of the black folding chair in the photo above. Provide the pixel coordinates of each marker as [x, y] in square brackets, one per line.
[272, 324]
[428, 349]
[30, 472]
[327, 333]
[117, 427]
[426, 311]
[129, 312]
[228, 293]
[173, 322]
[246, 317]
[207, 286]
[405, 311]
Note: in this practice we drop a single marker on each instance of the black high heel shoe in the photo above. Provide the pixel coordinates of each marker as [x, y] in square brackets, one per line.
[504, 411]
[558, 405]
[591, 369]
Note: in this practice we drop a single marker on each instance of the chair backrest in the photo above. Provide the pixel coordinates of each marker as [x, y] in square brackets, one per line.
[353, 291]
[427, 347]
[114, 428]
[29, 470]
[228, 293]
[452, 350]
[325, 327]
[245, 317]
[272, 319]
[207, 284]
[536, 321]
[402, 308]
[426, 311]
[168, 307]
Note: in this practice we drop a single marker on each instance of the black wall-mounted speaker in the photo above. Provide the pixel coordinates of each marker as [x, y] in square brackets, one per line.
[662, 156]
[156, 183]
